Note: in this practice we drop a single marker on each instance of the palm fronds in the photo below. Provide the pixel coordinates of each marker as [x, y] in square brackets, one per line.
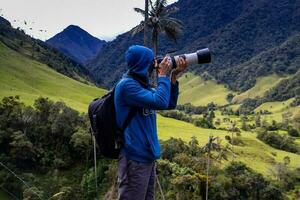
[159, 21]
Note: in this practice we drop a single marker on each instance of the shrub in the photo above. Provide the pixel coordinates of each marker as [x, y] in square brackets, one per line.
[293, 132]
[277, 141]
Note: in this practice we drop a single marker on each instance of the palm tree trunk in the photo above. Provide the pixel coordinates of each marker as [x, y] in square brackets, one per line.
[207, 173]
[154, 43]
[154, 40]
[232, 145]
[145, 24]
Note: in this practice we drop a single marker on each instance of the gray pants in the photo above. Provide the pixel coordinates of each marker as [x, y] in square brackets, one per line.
[136, 181]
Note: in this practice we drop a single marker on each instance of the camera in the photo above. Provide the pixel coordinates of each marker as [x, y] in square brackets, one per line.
[201, 56]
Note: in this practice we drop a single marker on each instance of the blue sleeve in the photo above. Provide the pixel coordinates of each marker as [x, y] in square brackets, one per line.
[135, 95]
[173, 96]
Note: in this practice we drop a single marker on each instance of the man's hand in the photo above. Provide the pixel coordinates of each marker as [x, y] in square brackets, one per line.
[163, 67]
[181, 66]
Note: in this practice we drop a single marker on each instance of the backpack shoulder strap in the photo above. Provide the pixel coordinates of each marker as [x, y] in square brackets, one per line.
[130, 116]
[133, 110]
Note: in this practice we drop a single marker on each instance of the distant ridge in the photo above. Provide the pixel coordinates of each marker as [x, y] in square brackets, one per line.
[236, 31]
[76, 43]
[35, 49]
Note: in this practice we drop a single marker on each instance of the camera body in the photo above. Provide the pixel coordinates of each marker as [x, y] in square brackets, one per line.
[201, 56]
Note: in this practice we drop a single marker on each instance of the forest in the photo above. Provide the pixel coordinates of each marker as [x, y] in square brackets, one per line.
[46, 153]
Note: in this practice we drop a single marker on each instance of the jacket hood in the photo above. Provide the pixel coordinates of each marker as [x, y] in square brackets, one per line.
[139, 59]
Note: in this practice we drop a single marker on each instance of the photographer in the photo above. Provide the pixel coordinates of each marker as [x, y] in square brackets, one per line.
[136, 167]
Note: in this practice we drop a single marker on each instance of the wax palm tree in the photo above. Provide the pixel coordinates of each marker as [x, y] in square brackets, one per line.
[232, 129]
[208, 148]
[159, 21]
[146, 19]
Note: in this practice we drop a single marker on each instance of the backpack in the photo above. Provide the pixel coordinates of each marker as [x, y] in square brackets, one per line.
[102, 115]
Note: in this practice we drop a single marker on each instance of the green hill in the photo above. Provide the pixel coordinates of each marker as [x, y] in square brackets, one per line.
[256, 154]
[263, 84]
[30, 79]
[282, 60]
[194, 89]
[277, 109]
[35, 49]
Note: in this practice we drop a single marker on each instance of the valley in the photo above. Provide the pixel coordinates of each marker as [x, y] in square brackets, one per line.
[31, 79]
[235, 130]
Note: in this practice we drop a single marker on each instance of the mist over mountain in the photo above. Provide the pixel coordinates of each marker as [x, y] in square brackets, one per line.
[235, 31]
[76, 43]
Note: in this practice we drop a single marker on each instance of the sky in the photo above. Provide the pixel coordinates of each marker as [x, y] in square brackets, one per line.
[43, 19]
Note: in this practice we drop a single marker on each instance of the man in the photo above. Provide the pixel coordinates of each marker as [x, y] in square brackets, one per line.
[136, 170]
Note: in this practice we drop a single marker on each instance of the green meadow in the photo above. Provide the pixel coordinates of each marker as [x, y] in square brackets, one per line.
[256, 154]
[30, 79]
[277, 109]
[197, 91]
[263, 84]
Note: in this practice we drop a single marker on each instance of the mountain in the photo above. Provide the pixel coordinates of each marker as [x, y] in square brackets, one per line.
[30, 79]
[38, 50]
[236, 31]
[283, 59]
[49, 145]
[76, 43]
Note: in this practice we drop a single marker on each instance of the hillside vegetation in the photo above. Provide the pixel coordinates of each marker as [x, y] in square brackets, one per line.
[30, 79]
[254, 153]
[198, 91]
[59, 162]
[19, 41]
[263, 84]
[278, 109]
[248, 99]
[248, 39]
[282, 60]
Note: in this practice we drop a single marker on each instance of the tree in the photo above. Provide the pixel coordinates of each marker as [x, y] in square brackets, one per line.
[27, 118]
[194, 146]
[232, 130]
[246, 183]
[229, 97]
[293, 132]
[296, 121]
[208, 148]
[258, 120]
[81, 143]
[244, 127]
[146, 19]
[160, 22]
[21, 150]
[286, 117]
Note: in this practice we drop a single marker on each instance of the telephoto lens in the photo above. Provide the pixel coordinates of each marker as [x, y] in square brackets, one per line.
[201, 56]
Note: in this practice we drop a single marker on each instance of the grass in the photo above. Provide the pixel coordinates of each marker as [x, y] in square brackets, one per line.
[263, 84]
[256, 154]
[30, 79]
[278, 108]
[193, 89]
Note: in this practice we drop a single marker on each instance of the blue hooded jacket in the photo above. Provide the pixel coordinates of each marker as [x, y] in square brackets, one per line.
[141, 141]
